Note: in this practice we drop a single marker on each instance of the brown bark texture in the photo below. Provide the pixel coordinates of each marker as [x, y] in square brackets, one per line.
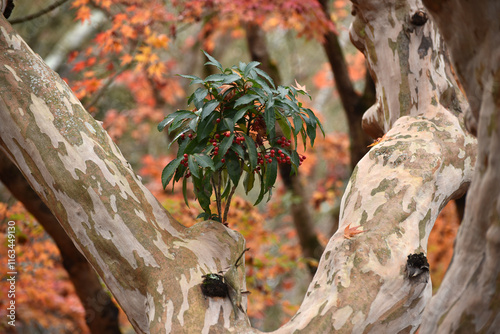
[101, 314]
[153, 265]
[468, 300]
[354, 103]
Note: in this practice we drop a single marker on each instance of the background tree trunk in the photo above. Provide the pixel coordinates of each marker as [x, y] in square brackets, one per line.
[468, 299]
[301, 215]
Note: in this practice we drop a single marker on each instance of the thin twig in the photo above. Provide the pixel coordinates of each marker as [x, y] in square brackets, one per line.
[108, 83]
[228, 202]
[40, 13]
[217, 195]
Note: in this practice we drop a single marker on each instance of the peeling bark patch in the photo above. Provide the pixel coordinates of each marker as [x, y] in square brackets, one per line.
[341, 316]
[13, 73]
[113, 228]
[13, 41]
[170, 314]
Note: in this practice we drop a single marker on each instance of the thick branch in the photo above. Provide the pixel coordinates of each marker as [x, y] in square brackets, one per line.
[467, 301]
[100, 312]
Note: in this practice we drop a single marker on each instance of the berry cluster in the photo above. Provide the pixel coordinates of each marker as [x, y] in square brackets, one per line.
[284, 142]
[184, 162]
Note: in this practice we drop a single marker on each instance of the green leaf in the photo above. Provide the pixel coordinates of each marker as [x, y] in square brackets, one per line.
[249, 67]
[182, 143]
[203, 191]
[266, 76]
[208, 108]
[246, 99]
[263, 85]
[252, 152]
[179, 114]
[225, 144]
[193, 167]
[233, 167]
[271, 174]
[231, 78]
[283, 92]
[212, 61]
[270, 119]
[313, 116]
[297, 124]
[205, 161]
[238, 149]
[184, 191]
[285, 126]
[229, 123]
[199, 96]
[169, 171]
[311, 130]
[194, 78]
[262, 191]
[249, 182]
[205, 127]
[215, 77]
[241, 112]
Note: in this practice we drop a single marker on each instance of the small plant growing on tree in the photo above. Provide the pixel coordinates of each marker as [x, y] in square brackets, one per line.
[232, 132]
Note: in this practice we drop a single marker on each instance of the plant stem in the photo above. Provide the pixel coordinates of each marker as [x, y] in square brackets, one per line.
[228, 202]
[217, 195]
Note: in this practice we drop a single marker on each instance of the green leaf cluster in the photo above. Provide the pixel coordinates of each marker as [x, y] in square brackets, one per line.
[240, 128]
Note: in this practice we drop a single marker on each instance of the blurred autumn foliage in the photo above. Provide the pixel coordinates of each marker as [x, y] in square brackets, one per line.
[125, 75]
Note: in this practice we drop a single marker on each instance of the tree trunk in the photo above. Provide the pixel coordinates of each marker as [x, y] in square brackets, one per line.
[101, 315]
[468, 299]
[354, 103]
[153, 265]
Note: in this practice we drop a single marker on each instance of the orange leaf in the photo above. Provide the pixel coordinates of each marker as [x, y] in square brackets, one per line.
[350, 232]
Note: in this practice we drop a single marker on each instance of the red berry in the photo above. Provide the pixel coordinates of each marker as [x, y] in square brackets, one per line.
[227, 134]
[183, 136]
[190, 135]
[303, 157]
[282, 145]
[218, 120]
[222, 160]
[269, 160]
[214, 143]
[217, 136]
[273, 151]
[280, 151]
[282, 155]
[259, 155]
[266, 156]
[185, 155]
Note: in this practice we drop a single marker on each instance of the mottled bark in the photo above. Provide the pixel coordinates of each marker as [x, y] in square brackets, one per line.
[101, 314]
[354, 103]
[153, 265]
[299, 206]
[468, 300]
[397, 190]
